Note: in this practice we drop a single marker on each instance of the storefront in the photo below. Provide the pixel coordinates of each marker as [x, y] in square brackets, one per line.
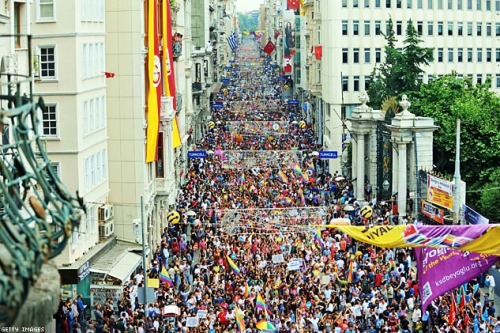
[112, 271]
[75, 280]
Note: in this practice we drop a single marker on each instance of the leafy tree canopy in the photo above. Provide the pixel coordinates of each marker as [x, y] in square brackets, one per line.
[447, 99]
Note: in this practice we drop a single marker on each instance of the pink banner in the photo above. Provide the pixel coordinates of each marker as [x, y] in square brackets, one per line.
[443, 269]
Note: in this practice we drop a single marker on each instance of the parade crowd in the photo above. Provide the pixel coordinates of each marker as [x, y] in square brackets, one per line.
[238, 272]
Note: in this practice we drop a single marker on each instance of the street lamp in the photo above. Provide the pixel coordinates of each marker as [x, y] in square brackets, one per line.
[385, 186]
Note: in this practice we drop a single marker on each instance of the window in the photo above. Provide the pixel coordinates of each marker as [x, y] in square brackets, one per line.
[17, 23]
[47, 62]
[460, 28]
[430, 78]
[398, 3]
[367, 28]
[440, 28]
[367, 3]
[345, 83]
[429, 4]
[459, 5]
[488, 4]
[377, 3]
[344, 3]
[355, 3]
[498, 80]
[49, 121]
[488, 29]
[92, 10]
[497, 5]
[46, 10]
[450, 55]
[356, 83]
[488, 55]
[367, 56]
[356, 55]
[497, 55]
[460, 54]
[93, 60]
[345, 56]
[469, 55]
[469, 4]
[94, 115]
[378, 24]
[450, 28]
[367, 83]
[479, 55]
[450, 4]
[344, 28]
[479, 78]
[420, 4]
[318, 72]
[408, 4]
[399, 28]
[440, 55]
[420, 27]
[430, 28]
[378, 55]
[497, 29]
[479, 28]
[96, 170]
[387, 3]
[387, 27]
[478, 4]
[440, 4]
[469, 28]
[355, 28]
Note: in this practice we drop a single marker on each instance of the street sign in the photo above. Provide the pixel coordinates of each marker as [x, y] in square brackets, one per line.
[217, 105]
[328, 154]
[225, 81]
[197, 154]
[293, 102]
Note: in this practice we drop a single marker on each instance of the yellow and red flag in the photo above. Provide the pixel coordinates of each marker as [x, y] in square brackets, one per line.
[154, 88]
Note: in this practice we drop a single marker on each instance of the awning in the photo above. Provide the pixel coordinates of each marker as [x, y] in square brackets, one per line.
[119, 262]
[216, 87]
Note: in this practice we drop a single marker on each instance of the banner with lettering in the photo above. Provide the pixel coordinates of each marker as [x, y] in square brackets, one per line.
[434, 213]
[440, 192]
[480, 238]
[441, 270]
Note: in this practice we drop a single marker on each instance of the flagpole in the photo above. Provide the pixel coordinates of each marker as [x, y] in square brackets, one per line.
[144, 255]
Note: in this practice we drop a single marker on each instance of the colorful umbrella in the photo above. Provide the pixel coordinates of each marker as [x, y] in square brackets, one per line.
[265, 325]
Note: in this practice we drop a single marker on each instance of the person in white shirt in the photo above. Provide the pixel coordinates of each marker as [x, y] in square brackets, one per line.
[490, 281]
[138, 278]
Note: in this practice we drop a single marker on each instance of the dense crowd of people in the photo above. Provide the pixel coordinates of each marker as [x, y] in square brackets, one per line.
[265, 269]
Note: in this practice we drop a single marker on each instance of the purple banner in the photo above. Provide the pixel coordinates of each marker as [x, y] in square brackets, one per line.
[443, 269]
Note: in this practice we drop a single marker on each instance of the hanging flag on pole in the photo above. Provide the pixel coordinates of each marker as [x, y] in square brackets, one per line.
[269, 48]
[293, 4]
[232, 40]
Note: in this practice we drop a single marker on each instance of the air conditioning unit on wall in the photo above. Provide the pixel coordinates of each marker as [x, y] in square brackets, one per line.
[106, 229]
[106, 213]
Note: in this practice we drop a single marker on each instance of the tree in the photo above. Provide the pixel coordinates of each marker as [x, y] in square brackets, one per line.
[447, 99]
[490, 197]
[400, 71]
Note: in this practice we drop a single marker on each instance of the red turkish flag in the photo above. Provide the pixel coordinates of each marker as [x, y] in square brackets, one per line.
[293, 4]
[269, 48]
[287, 64]
[318, 50]
[452, 316]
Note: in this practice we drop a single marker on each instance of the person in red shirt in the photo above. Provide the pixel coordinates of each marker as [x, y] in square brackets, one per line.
[378, 278]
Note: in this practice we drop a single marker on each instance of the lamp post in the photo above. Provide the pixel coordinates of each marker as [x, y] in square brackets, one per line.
[385, 186]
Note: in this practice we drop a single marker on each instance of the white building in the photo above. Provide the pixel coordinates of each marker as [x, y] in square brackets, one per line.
[69, 64]
[463, 33]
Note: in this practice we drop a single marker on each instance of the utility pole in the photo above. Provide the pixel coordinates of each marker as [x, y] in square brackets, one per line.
[144, 269]
[456, 177]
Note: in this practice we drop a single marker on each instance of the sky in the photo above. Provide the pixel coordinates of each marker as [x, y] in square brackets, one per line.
[248, 5]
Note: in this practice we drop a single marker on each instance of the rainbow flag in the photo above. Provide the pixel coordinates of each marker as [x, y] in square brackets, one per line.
[233, 266]
[165, 278]
[247, 290]
[302, 199]
[392, 265]
[351, 272]
[317, 237]
[277, 283]
[239, 320]
[242, 177]
[305, 177]
[310, 166]
[260, 304]
[282, 176]
[297, 169]
[288, 200]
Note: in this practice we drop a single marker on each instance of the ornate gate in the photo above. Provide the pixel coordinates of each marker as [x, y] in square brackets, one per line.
[384, 158]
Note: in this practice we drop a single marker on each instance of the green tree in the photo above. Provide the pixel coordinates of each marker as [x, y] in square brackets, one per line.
[490, 197]
[400, 71]
[447, 99]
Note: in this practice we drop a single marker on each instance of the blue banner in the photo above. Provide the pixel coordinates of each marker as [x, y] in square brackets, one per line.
[225, 81]
[197, 154]
[328, 154]
[293, 102]
[217, 106]
[473, 217]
